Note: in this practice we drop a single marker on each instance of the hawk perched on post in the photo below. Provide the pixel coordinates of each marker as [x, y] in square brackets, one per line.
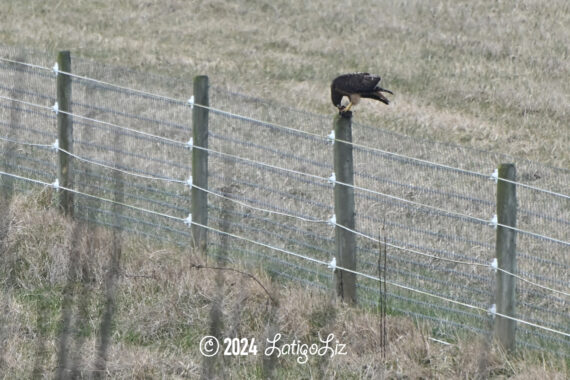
[356, 86]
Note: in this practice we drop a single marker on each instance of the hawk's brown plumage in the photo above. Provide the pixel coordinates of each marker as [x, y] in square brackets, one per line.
[356, 86]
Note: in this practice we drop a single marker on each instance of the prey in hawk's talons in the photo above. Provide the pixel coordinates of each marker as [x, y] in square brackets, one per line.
[345, 114]
[352, 101]
[345, 108]
[344, 111]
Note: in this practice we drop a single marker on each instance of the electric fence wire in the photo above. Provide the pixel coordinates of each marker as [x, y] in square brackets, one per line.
[296, 172]
[331, 221]
[330, 265]
[270, 166]
[230, 114]
[292, 130]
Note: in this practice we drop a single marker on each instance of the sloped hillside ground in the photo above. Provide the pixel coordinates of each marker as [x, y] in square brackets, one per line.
[488, 75]
[67, 304]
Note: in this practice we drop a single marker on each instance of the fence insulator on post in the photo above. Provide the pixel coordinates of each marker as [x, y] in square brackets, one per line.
[64, 131]
[344, 208]
[505, 251]
[200, 163]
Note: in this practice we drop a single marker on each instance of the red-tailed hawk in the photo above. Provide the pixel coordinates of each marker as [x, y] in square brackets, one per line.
[356, 86]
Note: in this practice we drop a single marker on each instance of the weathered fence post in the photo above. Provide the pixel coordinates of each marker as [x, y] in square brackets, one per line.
[64, 131]
[344, 208]
[200, 162]
[505, 251]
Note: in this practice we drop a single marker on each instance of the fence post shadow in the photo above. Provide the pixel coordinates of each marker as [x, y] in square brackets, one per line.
[113, 271]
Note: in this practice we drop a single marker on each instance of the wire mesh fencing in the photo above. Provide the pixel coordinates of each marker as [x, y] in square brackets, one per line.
[270, 193]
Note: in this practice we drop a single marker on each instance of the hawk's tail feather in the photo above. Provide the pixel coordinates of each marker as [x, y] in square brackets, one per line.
[384, 90]
[377, 96]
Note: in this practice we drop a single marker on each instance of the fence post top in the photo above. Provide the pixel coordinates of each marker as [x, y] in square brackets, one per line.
[201, 78]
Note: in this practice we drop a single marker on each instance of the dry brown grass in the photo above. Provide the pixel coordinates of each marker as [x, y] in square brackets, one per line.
[163, 308]
[485, 74]
[482, 73]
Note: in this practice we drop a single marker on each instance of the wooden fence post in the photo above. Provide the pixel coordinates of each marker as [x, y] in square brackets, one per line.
[505, 251]
[200, 162]
[65, 131]
[344, 208]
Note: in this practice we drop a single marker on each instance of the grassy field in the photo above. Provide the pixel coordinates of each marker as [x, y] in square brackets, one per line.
[483, 74]
[486, 74]
[162, 304]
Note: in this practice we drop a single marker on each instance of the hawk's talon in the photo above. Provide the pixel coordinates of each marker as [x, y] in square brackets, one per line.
[344, 113]
[345, 110]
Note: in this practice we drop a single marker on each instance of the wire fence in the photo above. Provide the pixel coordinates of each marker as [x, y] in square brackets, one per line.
[271, 193]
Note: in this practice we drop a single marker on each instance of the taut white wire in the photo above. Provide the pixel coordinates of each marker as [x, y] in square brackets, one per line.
[258, 208]
[26, 103]
[291, 129]
[121, 170]
[25, 64]
[534, 188]
[247, 118]
[454, 213]
[290, 171]
[97, 121]
[300, 173]
[451, 260]
[253, 120]
[50, 146]
[122, 127]
[308, 258]
[533, 283]
[341, 183]
[327, 138]
[367, 236]
[387, 244]
[378, 279]
[93, 196]
[286, 214]
[535, 234]
[121, 87]
[25, 178]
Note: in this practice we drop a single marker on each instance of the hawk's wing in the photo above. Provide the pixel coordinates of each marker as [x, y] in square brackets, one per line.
[355, 83]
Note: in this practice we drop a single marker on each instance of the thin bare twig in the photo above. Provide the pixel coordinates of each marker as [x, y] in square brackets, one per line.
[200, 266]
